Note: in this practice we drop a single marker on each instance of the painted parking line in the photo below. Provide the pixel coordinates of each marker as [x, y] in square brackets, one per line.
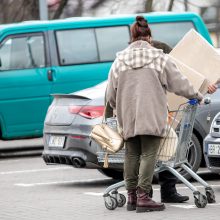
[81, 181]
[60, 182]
[154, 189]
[97, 194]
[33, 171]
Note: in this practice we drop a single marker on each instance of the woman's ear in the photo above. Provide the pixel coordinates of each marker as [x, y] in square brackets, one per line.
[150, 40]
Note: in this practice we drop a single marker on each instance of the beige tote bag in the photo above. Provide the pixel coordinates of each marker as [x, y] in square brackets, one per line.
[168, 146]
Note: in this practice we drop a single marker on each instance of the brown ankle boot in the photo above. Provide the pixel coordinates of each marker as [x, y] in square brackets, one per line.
[146, 204]
[132, 200]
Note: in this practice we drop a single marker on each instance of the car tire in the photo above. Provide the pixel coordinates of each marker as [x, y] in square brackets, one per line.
[194, 156]
[114, 174]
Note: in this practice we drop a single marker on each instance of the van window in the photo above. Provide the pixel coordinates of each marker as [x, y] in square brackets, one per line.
[91, 45]
[22, 53]
[170, 33]
[111, 40]
[77, 46]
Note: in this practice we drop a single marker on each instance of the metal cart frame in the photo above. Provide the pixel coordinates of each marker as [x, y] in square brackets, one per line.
[184, 129]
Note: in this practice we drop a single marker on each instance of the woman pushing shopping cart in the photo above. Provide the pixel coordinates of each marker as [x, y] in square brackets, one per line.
[138, 81]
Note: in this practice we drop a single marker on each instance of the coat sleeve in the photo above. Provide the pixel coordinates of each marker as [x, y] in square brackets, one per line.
[218, 81]
[112, 87]
[175, 82]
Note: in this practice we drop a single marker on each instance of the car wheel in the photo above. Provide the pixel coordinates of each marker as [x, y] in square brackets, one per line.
[115, 174]
[194, 156]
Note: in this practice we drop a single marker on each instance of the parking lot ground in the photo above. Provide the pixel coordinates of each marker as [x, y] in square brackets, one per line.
[32, 190]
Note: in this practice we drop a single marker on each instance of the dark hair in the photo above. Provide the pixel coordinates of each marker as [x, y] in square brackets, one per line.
[140, 29]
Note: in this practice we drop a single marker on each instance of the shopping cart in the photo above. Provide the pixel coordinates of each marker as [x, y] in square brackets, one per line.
[172, 156]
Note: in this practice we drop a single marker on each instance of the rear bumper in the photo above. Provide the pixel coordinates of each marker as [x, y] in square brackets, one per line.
[77, 152]
[77, 159]
[212, 162]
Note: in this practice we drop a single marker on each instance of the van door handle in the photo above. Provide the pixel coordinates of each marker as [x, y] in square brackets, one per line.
[50, 75]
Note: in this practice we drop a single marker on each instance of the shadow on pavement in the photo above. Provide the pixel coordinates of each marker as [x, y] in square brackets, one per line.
[209, 176]
[88, 183]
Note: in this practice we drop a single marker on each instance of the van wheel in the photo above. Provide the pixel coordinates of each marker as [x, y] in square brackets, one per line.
[194, 156]
[115, 174]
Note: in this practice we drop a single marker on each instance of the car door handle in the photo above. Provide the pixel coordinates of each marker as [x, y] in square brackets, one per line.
[50, 75]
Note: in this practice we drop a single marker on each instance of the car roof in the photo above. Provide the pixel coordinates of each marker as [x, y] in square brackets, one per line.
[152, 17]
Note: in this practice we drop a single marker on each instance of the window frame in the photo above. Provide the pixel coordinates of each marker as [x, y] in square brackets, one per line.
[22, 35]
[97, 46]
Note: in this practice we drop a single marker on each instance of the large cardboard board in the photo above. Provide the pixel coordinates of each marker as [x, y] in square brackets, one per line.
[198, 61]
[194, 51]
[198, 81]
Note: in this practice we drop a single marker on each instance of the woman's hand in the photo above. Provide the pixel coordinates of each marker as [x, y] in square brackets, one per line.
[212, 88]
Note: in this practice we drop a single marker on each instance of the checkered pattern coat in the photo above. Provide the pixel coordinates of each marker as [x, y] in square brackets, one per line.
[137, 85]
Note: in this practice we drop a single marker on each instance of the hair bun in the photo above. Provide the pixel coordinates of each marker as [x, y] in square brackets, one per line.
[139, 18]
[141, 21]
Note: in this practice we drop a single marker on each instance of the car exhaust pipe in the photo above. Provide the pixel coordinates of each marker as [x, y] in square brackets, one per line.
[78, 162]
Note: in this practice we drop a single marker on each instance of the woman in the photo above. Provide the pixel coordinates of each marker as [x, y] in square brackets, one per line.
[137, 85]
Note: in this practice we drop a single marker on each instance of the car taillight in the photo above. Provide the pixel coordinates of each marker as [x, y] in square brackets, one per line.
[90, 112]
[75, 109]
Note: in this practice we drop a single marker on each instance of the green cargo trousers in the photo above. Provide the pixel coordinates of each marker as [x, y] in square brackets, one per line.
[140, 159]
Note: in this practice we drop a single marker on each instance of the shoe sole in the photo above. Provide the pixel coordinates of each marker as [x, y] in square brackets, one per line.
[131, 207]
[148, 209]
[177, 201]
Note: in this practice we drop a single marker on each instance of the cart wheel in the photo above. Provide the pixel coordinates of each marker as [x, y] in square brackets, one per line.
[200, 200]
[121, 200]
[110, 203]
[210, 195]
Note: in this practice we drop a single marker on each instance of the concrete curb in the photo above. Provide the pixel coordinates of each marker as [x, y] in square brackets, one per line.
[21, 147]
[27, 153]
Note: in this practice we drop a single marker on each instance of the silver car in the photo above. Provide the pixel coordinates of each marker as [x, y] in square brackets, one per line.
[212, 146]
[67, 127]
[70, 118]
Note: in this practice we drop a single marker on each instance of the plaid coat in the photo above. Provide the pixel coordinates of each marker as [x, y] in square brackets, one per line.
[137, 85]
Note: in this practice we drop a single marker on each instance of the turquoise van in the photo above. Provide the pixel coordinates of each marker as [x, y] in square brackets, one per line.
[38, 58]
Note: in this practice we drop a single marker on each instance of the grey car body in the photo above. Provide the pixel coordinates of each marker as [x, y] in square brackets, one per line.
[212, 146]
[80, 151]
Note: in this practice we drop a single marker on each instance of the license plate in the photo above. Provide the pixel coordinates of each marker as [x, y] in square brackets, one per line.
[214, 149]
[56, 141]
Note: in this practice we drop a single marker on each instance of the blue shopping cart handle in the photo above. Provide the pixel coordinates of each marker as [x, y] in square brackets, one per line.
[193, 101]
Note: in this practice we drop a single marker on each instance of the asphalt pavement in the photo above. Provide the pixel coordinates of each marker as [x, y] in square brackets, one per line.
[32, 190]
